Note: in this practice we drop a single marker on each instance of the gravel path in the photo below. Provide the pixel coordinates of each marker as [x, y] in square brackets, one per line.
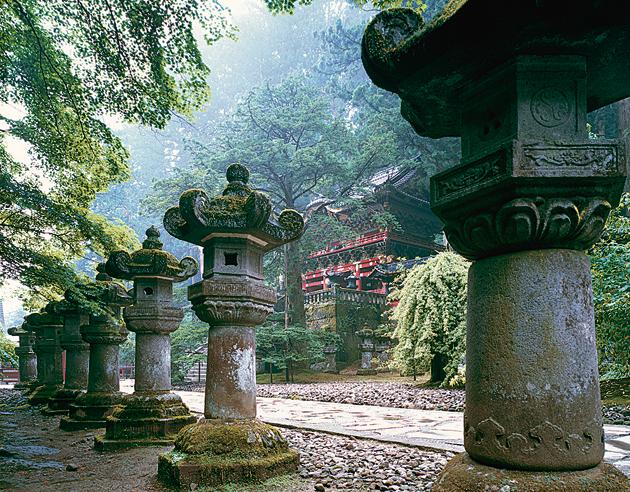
[397, 395]
[345, 463]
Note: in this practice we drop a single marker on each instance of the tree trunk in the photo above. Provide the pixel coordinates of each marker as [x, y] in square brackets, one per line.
[294, 292]
[286, 373]
[270, 373]
[438, 363]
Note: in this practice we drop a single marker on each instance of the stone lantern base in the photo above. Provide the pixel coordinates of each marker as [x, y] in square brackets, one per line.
[145, 420]
[463, 473]
[59, 403]
[42, 394]
[90, 411]
[216, 452]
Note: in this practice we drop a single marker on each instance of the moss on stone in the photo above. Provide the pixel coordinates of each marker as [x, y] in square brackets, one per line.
[219, 437]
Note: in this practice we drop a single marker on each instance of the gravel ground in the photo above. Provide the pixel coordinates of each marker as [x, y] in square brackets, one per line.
[398, 395]
[36, 455]
[345, 463]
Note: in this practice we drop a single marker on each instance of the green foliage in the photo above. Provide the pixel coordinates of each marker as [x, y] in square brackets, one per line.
[7, 351]
[285, 348]
[610, 266]
[66, 65]
[191, 335]
[431, 316]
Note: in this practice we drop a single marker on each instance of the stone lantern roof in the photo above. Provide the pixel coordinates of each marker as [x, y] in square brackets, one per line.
[17, 331]
[240, 211]
[150, 261]
[426, 65]
[47, 316]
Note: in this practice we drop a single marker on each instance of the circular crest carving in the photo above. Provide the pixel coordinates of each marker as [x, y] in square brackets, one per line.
[550, 107]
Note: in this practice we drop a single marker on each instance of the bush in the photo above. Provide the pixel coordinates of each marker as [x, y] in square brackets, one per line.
[431, 319]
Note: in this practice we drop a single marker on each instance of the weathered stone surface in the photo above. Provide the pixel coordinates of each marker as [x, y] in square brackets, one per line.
[152, 415]
[530, 188]
[47, 327]
[27, 359]
[104, 333]
[77, 356]
[463, 473]
[426, 65]
[214, 452]
[235, 230]
[532, 386]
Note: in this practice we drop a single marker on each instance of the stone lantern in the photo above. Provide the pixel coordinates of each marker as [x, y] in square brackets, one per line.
[531, 194]
[47, 326]
[26, 356]
[153, 415]
[104, 332]
[367, 347]
[77, 355]
[235, 230]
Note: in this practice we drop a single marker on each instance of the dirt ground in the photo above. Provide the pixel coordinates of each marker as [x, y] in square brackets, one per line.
[35, 455]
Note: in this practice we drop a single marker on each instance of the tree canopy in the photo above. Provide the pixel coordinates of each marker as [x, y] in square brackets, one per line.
[66, 67]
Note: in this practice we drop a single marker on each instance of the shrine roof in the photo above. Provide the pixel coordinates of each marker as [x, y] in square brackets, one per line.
[426, 65]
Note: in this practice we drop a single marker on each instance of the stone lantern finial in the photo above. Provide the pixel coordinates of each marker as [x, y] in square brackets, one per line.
[235, 229]
[153, 239]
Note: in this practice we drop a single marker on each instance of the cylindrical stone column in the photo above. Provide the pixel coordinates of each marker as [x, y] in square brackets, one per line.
[152, 415]
[231, 376]
[47, 327]
[235, 229]
[532, 386]
[104, 333]
[27, 360]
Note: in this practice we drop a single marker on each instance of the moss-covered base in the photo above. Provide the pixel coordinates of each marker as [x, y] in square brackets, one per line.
[366, 372]
[60, 402]
[144, 418]
[181, 469]
[464, 474]
[23, 385]
[42, 394]
[90, 411]
[216, 452]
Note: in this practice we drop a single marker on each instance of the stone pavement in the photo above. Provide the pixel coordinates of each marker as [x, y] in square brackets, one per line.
[429, 429]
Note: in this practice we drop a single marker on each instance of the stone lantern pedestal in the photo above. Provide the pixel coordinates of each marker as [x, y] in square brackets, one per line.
[152, 415]
[47, 327]
[235, 229]
[104, 333]
[531, 194]
[77, 358]
[26, 357]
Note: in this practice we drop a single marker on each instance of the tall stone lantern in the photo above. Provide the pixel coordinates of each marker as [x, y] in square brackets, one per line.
[531, 194]
[104, 333]
[27, 360]
[235, 230]
[77, 355]
[153, 415]
[47, 326]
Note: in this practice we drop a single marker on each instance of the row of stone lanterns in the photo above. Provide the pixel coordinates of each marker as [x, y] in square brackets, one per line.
[229, 444]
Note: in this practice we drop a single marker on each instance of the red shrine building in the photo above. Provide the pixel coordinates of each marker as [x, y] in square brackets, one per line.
[367, 262]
